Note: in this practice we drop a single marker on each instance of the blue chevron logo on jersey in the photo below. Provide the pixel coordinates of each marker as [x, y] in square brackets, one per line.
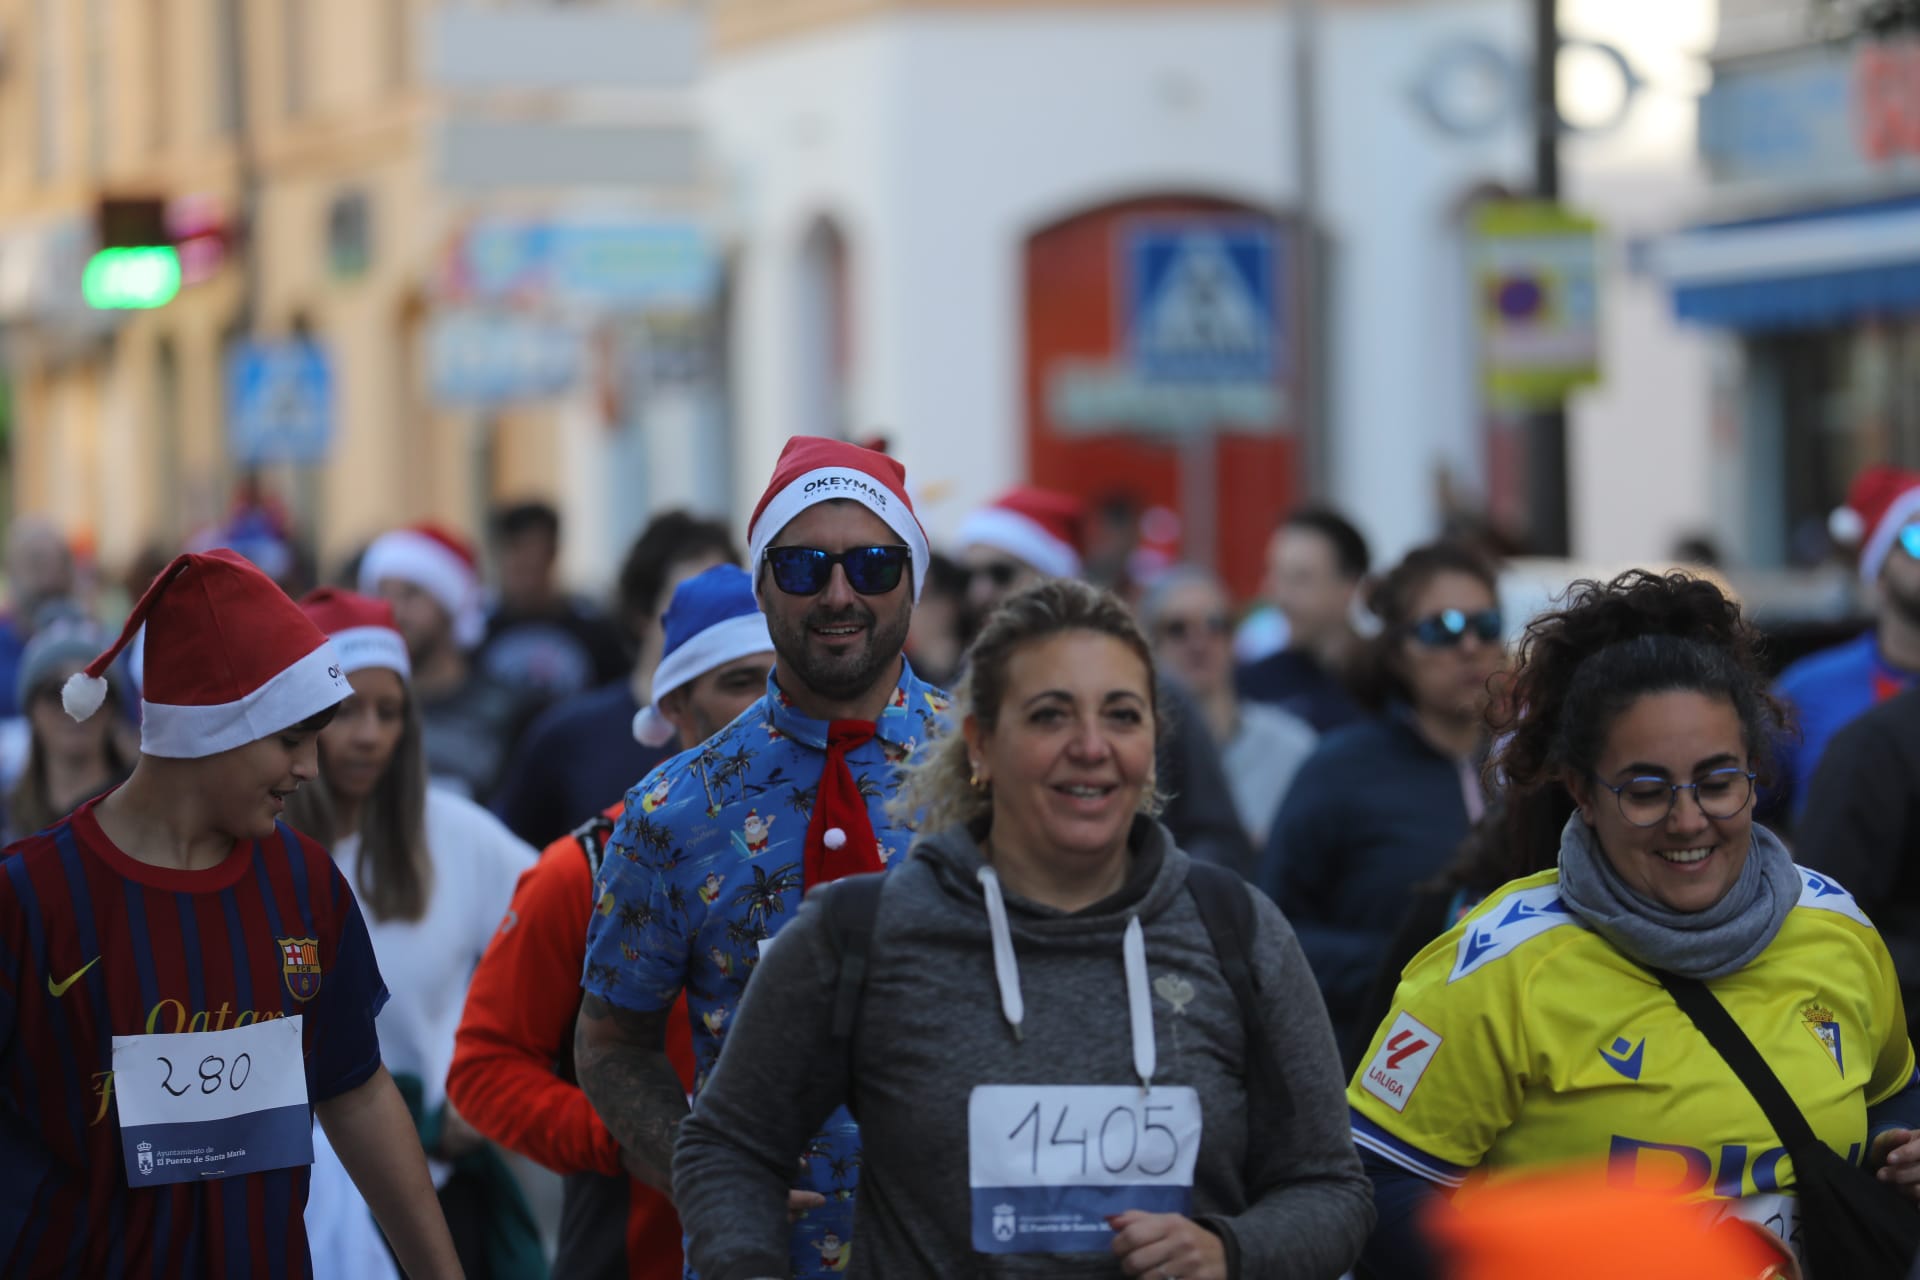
[1512, 920]
[1625, 1058]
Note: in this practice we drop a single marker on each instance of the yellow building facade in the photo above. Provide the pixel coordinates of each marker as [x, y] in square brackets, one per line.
[306, 113]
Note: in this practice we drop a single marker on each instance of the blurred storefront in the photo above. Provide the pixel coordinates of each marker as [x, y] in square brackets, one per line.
[1065, 242]
[1810, 271]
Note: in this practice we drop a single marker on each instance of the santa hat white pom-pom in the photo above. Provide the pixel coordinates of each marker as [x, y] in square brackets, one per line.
[833, 838]
[651, 729]
[1846, 526]
[82, 695]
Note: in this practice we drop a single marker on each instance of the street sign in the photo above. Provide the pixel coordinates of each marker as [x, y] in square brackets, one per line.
[1201, 301]
[629, 264]
[1539, 302]
[483, 359]
[279, 402]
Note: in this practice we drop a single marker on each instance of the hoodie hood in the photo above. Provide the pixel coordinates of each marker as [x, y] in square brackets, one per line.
[1156, 874]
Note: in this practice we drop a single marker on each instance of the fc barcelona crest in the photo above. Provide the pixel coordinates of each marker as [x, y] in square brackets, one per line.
[300, 965]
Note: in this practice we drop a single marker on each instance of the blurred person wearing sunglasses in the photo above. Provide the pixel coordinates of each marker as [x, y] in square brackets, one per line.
[1185, 614]
[1021, 538]
[715, 847]
[1316, 566]
[1827, 690]
[1381, 805]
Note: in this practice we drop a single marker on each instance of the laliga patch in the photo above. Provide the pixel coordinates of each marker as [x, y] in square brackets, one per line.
[1403, 1057]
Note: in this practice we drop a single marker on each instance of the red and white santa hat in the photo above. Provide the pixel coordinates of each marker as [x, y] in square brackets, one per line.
[229, 660]
[440, 563]
[361, 628]
[812, 470]
[1881, 502]
[1038, 527]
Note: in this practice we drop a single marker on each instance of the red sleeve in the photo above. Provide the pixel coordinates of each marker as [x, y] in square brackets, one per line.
[519, 1017]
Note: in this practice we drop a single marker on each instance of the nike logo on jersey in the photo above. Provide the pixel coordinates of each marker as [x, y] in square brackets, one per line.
[58, 989]
[1625, 1058]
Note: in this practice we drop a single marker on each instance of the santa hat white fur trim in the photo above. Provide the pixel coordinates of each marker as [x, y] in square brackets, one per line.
[1903, 511]
[364, 647]
[825, 485]
[1023, 538]
[719, 644]
[304, 689]
[436, 569]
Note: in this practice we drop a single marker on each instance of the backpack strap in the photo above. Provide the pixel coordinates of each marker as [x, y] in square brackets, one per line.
[1226, 910]
[852, 906]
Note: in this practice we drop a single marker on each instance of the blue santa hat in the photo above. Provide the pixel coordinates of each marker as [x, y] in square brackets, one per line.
[713, 620]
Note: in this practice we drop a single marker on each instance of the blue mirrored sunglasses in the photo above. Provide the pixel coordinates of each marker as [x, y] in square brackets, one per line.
[805, 571]
[1448, 627]
[1910, 540]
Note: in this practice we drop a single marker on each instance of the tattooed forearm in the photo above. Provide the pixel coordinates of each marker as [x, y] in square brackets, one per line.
[622, 1062]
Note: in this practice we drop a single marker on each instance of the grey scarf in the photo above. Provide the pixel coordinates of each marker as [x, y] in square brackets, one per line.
[1695, 944]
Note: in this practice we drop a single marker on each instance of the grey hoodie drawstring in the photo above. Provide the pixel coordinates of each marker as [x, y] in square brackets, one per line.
[1006, 969]
[1133, 949]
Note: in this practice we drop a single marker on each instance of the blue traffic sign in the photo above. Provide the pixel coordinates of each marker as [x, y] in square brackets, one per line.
[279, 402]
[1202, 300]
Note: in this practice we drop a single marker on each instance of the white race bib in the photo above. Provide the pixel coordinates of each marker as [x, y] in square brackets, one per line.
[212, 1104]
[1776, 1213]
[1049, 1164]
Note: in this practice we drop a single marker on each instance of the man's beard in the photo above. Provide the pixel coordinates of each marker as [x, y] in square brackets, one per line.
[840, 677]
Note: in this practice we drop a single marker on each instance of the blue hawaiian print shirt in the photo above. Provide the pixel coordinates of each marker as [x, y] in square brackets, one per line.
[706, 863]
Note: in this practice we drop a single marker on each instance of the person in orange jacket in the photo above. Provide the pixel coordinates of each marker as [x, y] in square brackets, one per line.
[515, 1030]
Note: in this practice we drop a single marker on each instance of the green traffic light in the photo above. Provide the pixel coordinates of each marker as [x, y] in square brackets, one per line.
[128, 279]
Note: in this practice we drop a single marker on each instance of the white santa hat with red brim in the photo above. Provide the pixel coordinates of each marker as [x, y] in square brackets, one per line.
[813, 470]
[1039, 527]
[439, 563]
[229, 660]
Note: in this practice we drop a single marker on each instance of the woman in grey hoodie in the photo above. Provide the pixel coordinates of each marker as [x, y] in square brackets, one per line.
[1050, 1065]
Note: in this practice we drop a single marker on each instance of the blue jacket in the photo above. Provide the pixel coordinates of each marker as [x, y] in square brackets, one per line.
[1828, 690]
[1373, 812]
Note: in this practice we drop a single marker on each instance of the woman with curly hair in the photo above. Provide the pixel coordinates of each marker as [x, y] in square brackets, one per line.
[1546, 1027]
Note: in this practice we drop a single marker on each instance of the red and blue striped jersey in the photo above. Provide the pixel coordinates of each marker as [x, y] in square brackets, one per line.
[94, 944]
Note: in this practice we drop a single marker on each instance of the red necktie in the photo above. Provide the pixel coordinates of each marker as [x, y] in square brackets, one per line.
[840, 839]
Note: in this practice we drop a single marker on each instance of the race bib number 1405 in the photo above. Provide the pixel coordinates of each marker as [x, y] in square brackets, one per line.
[1048, 1164]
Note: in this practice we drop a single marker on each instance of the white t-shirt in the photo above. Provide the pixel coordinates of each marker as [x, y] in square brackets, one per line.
[1265, 752]
[427, 964]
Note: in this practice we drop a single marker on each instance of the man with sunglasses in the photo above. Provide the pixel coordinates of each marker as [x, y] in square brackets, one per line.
[716, 846]
[1829, 689]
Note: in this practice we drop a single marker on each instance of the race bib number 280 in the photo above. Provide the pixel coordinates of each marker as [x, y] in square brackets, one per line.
[1049, 1164]
[212, 1104]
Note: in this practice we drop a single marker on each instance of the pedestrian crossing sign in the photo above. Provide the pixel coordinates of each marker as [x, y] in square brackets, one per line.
[1201, 300]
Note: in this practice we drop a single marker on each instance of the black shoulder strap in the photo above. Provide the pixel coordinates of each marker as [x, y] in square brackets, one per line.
[1725, 1035]
[1226, 911]
[852, 907]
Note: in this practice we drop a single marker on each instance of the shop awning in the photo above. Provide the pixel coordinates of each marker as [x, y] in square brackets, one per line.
[1796, 272]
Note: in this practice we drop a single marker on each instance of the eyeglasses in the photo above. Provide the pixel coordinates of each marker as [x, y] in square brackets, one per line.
[1001, 573]
[1449, 627]
[1646, 802]
[1910, 540]
[805, 571]
[1178, 629]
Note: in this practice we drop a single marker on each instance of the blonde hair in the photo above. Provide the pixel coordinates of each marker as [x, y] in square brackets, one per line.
[936, 788]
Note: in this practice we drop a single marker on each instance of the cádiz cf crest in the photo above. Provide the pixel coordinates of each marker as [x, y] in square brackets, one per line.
[300, 965]
[1820, 1024]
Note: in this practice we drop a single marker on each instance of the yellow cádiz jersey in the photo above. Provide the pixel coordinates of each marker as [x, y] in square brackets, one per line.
[1521, 1038]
